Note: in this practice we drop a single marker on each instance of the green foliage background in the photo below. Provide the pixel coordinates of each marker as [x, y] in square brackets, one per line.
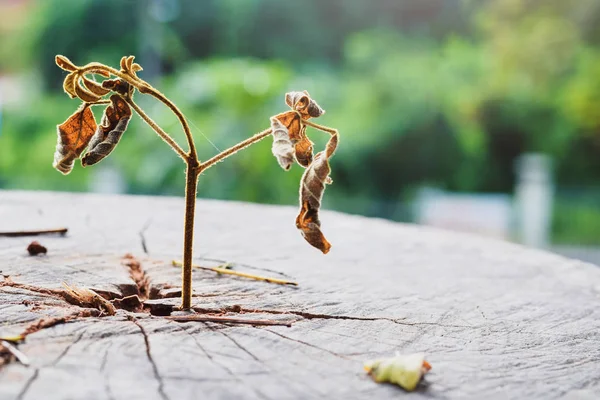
[439, 92]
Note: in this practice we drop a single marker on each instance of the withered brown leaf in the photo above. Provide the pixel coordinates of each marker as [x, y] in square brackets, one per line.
[109, 132]
[85, 94]
[69, 84]
[311, 193]
[303, 107]
[73, 136]
[64, 63]
[95, 87]
[312, 187]
[303, 147]
[282, 147]
[304, 104]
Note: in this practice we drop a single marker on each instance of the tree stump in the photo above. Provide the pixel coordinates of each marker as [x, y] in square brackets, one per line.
[496, 320]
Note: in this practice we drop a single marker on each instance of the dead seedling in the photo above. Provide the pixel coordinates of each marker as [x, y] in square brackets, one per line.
[81, 137]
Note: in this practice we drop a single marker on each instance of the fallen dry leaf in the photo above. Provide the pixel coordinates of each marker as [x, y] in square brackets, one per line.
[73, 137]
[109, 132]
[405, 371]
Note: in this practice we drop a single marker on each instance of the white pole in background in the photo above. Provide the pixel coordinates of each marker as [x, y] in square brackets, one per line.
[533, 199]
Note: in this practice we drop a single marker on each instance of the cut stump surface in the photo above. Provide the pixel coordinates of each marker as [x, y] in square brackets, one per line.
[496, 320]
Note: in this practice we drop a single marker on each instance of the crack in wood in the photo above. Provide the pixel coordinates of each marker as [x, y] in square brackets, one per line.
[224, 367]
[48, 322]
[309, 315]
[28, 384]
[143, 237]
[66, 350]
[333, 353]
[138, 275]
[235, 342]
[157, 376]
[107, 389]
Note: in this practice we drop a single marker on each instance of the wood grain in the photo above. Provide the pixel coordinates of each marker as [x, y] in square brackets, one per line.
[496, 320]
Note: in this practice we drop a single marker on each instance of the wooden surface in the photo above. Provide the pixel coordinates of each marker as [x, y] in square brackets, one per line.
[496, 320]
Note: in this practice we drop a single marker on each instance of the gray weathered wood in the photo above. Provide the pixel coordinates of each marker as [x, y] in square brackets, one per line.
[495, 319]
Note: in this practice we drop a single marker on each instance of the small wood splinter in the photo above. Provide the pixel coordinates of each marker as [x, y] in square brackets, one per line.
[223, 269]
[59, 231]
[227, 320]
[22, 358]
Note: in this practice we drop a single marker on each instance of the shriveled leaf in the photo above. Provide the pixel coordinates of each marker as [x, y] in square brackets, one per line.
[64, 63]
[109, 132]
[117, 85]
[73, 136]
[282, 147]
[95, 87]
[129, 62]
[303, 147]
[85, 94]
[124, 63]
[312, 187]
[135, 67]
[304, 104]
[405, 371]
[69, 84]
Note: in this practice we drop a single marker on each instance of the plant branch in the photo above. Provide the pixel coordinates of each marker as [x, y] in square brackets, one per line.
[332, 144]
[223, 270]
[148, 89]
[144, 87]
[163, 135]
[232, 150]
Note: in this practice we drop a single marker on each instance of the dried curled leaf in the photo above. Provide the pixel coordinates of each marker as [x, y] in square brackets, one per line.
[70, 83]
[109, 132]
[85, 94]
[405, 371]
[128, 66]
[73, 136]
[302, 102]
[135, 67]
[303, 147]
[282, 147]
[95, 87]
[312, 187]
[64, 63]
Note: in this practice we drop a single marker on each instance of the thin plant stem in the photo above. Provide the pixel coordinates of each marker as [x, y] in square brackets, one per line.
[163, 135]
[223, 270]
[332, 144]
[323, 128]
[144, 87]
[147, 89]
[192, 173]
[234, 149]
